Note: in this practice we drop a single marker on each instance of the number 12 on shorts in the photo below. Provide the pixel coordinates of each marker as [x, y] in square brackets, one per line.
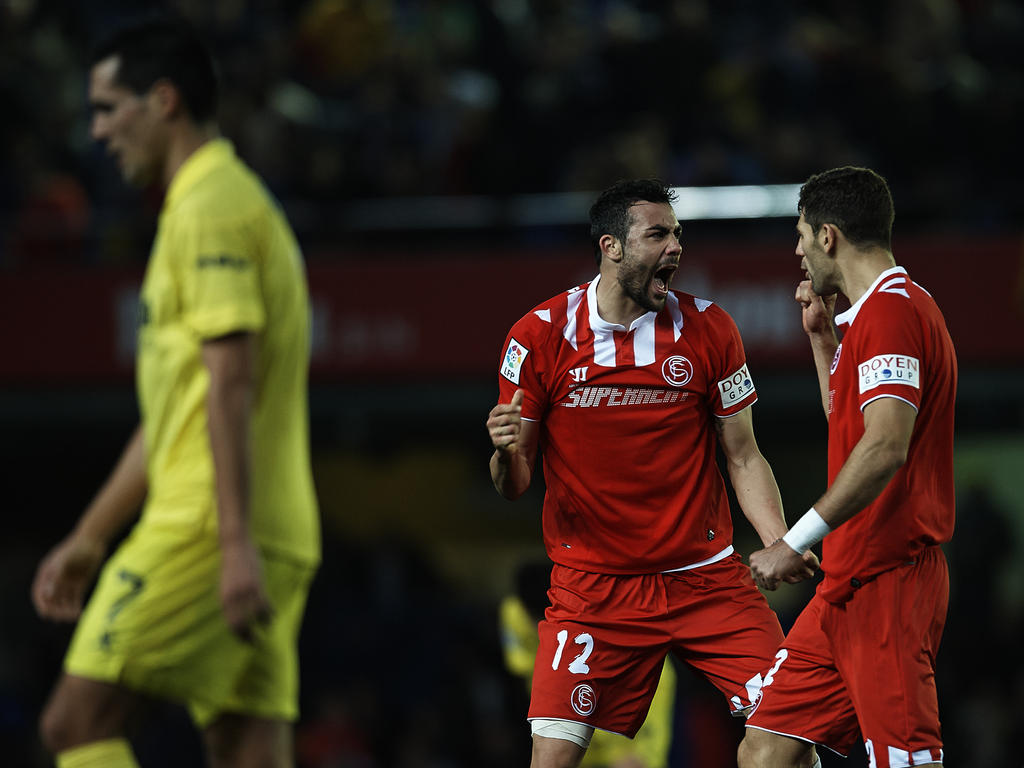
[577, 666]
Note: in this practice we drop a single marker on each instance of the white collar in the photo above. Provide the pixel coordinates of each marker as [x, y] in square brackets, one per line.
[598, 323]
[847, 317]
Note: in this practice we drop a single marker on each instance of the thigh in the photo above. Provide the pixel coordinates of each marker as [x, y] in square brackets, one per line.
[266, 685]
[890, 670]
[154, 622]
[723, 627]
[803, 696]
[598, 662]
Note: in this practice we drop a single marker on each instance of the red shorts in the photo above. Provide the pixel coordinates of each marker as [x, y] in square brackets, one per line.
[604, 639]
[865, 667]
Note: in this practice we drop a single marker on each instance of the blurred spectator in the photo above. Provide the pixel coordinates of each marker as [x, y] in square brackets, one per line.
[338, 99]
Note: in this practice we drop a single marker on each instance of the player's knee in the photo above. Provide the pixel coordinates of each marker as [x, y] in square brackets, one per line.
[234, 740]
[81, 712]
[56, 728]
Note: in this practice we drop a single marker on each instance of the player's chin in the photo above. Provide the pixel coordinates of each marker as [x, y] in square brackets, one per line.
[656, 301]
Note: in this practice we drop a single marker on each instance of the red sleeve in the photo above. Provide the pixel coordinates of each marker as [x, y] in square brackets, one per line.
[731, 386]
[522, 367]
[888, 351]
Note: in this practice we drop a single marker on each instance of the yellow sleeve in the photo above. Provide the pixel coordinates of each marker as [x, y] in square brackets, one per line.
[219, 273]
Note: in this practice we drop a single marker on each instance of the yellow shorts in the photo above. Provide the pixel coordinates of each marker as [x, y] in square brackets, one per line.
[154, 625]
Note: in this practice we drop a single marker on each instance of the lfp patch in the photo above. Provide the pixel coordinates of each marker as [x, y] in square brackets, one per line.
[513, 362]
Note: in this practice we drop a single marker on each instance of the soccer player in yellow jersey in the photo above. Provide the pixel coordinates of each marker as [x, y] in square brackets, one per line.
[202, 601]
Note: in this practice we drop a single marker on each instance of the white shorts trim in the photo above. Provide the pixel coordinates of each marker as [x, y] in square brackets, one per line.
[798, 738]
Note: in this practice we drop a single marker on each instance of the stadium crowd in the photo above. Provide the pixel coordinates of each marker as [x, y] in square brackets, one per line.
[339, 100]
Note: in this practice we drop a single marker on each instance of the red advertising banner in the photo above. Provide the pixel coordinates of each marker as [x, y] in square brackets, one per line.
[402, 317]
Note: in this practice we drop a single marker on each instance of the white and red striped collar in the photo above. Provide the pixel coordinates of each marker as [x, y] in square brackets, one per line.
[643, 329]
[599, 324]
[896, 286]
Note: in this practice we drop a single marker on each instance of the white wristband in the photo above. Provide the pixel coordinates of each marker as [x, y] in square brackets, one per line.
[808, 531]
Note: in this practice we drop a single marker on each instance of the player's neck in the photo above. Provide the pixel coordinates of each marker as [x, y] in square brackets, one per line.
[183, 143]
[861, 268]
[613, 305]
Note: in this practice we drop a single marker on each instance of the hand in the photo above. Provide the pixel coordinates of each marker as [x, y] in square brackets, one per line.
[504, 423]
[817, 310]
[64, 575]
[243, 597]
[780, 562]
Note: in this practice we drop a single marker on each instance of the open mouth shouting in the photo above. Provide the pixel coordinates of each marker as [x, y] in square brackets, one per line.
[662, 279]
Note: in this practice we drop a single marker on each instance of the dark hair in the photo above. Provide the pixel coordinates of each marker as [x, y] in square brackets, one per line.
[160, 48]
[609, 215]
[856, 200]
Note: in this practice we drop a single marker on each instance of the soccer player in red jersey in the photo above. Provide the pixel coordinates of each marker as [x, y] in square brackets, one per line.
[626, 386]
[860, 659]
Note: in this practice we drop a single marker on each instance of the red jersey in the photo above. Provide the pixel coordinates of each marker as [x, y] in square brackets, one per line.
[896, 345]
[626, 429]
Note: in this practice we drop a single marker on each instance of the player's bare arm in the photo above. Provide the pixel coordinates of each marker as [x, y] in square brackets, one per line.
[231, 362]
[64, 575]
[878, 455]
[515, 447]
[754, 483]
[816, 315]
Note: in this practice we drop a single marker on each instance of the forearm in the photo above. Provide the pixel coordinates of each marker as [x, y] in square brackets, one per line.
[119, 499]
[864, 475]
[228, 407]
[510, 473]
[823, 347]
[758, 496]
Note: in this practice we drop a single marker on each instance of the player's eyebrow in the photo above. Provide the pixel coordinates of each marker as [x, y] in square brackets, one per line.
[659, 229]
[99, 105]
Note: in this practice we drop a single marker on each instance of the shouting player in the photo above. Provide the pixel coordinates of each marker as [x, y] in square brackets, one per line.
[626, 386]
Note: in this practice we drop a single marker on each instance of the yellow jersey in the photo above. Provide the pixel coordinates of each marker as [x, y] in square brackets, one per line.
[225, 260]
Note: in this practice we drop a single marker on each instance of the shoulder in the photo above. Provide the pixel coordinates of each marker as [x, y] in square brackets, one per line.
[229, 192]
[549, 318]
[703, 314]
[900, 302]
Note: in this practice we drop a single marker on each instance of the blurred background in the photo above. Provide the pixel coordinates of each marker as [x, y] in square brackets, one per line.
[437, 160]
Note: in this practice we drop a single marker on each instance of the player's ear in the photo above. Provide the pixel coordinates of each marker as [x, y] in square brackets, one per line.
[829, 238]
[166, 97]
[610, 247]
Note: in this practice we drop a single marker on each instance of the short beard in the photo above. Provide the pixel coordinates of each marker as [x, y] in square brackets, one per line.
[821, 287]
[635, 282]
